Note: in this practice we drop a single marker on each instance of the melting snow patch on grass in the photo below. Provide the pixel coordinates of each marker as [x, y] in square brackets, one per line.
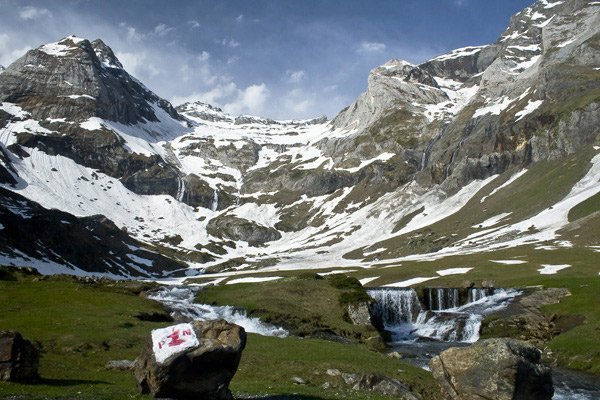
[410, 282]
[509, 262]
[492, 221]
[364, 281]
[453, 271]
[252, 280]
[549, 269]
[341, 271]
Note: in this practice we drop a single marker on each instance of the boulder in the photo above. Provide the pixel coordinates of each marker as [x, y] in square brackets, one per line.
[501, 369]
[386, 386]
[19, 358]
[195, 360]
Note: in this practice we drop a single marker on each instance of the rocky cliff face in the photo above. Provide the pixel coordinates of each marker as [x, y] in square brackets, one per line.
[79, 134]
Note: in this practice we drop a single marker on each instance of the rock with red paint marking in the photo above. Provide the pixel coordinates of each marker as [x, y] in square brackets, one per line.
[195, 360]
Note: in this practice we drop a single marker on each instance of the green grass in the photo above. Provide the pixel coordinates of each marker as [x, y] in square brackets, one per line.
[269, 364]
[80, 327]
[305, 304]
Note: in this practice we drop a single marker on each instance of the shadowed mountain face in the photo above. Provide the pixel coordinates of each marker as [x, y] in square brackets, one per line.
[79, 134]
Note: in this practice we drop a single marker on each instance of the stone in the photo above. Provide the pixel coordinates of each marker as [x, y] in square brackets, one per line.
[501, 369]
[524, 320]
[120, 365]
[298, 380]
[19, 358]
[386, 386]
[360, 313]
[333, 372]
[200, 371]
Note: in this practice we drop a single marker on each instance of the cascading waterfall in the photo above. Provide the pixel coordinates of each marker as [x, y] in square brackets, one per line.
[180, 300]
[396, 306]
[443, 317]
[215, 200]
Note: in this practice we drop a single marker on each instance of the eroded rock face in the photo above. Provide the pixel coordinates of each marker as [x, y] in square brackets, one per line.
[502, 369]
[234, 228]
[202, 371]
[19, 358]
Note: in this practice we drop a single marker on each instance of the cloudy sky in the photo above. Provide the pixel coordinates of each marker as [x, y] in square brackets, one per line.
[277, 58]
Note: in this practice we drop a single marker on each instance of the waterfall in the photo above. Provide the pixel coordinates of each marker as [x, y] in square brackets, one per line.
[215, 200]
[443, 317]
[396, 305]
[180, 189]
[442, 298]
[180, 301]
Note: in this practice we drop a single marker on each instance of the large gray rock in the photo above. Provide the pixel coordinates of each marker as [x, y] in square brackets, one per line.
[231, 227]
[19, 358]
[501, 369]
[202, 371]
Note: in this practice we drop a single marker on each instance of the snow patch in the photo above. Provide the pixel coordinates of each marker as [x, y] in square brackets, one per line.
[410, 282]
[549, 269]
[529, 108]
[253, 280]
[509, 262]
[492, 221]
[453, 271]
[364, 281]
[505, 184]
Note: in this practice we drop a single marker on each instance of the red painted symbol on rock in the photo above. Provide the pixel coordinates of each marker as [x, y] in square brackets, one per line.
[175, 337]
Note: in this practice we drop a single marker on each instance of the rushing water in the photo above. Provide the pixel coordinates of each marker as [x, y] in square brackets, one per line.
[452, 321]
[180, 301]
[442, 317]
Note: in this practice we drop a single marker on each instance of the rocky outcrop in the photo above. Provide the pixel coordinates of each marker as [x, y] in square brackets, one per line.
[79, 79]
[19, 358]
[386, 386]
[202, 370]
[501, 369]
[235, 228]
[31, 230]
[524, 320]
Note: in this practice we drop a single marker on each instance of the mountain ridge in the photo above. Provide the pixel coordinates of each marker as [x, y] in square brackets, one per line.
[203, 188]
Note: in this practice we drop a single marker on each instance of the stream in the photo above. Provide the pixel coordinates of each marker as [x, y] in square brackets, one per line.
[447, 318]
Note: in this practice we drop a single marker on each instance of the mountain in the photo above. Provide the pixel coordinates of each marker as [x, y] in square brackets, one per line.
[482, 148]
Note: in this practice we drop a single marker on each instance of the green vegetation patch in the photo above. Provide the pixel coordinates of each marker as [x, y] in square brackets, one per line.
[306, 305]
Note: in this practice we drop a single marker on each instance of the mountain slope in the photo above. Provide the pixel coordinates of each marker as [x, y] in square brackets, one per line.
[427, 162]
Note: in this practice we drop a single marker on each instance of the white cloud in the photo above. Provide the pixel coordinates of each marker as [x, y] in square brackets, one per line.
[239, 18]
[204, 56]
[194, 24]
[138, 64]
[34, 13]
[295, 76]
[162, 29]
[371, 47]
[249, 101]
[230, 43]
[132, 34]
[8, 54]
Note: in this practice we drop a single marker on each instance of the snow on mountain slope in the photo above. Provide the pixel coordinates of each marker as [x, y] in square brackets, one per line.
[385, 180]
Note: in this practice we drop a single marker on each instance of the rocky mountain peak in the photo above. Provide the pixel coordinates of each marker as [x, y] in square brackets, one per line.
[198, 110]
[77, 80]
[406, 71]
[106, 55]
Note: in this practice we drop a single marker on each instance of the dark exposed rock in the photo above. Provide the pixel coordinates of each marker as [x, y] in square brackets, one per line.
[49, 234]
[234, 228]
[386, 386]
[19, 358]
[502, 369]
[203, 371]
